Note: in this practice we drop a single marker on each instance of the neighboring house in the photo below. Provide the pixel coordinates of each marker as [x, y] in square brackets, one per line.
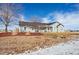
[40, 27]
[73, 30]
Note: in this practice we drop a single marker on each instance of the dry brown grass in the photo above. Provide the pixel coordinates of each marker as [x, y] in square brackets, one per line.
[20, 44]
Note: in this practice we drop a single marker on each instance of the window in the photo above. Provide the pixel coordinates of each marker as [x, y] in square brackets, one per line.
[24, 28]
[32, 28]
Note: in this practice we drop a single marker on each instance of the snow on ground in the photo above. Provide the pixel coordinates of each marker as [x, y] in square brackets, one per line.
[69, 48]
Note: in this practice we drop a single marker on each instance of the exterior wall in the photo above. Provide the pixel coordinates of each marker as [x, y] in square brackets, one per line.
[21, 29]
[54, 27]
[28, 29]
[60, 29]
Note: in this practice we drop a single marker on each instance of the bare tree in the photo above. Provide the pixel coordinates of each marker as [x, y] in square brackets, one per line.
[8, 14]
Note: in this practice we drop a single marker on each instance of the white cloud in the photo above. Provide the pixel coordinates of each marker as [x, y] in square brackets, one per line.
[49, 18]
[46, 20]
[69, 20]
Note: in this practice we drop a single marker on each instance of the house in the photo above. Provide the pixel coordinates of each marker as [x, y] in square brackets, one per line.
[73, 30]
[40, 27]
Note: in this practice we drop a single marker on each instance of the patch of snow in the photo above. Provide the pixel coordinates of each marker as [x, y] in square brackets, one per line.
[69, 48]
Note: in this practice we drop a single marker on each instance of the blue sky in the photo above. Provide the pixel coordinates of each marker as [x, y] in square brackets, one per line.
[65, 13]
[42, 10]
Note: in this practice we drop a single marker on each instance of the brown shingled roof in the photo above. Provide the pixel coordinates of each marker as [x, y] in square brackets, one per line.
[35, 24]
[22, 23]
